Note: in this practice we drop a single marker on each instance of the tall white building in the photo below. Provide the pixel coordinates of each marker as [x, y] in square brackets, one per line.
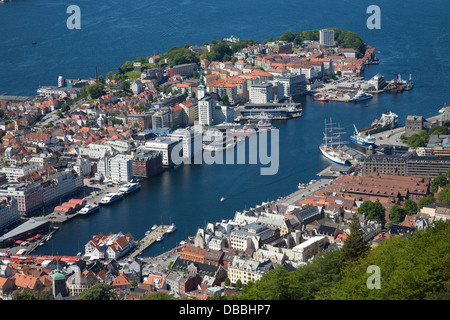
[326, 37]
[205, 111]
[261, 93]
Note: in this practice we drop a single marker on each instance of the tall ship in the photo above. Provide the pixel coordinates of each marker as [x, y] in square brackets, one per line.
[361, 96]
[331, 147]
[388, 121]
[364, 140]
[129, 188]
[111, 198]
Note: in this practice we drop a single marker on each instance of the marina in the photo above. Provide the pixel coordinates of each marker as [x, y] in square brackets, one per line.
[155, 235]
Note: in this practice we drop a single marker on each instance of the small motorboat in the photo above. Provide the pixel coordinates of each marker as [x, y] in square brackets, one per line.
[222, 199]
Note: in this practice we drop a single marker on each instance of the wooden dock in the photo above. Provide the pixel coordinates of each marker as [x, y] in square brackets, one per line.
[148, 240]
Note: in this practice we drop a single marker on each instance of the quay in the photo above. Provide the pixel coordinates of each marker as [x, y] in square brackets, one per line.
[148, 240]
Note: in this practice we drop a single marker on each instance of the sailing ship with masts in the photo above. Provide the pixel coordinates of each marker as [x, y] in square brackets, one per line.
[331, 147]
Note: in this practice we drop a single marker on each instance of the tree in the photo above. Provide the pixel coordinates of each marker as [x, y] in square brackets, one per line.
[95, 90]
[397, 214]
[439, 181]
[110, 75]
[373, 211]
[227, 281]
[225, 100]
[426, 201]
[410, 207]
[101, 79]
[354, 245]
[444, 196]
[46, 295]
[99, 291]
[238, 284]
[23, 295]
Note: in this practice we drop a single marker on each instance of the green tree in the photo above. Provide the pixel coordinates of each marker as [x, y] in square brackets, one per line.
[426, 201]
[238, 284]
[439, 181]
[100, 291]
[444, 196]
[397, 214]
[373, 211]
[46, 295]
[227, 281]
[95, 90]
[101, 79]
[354, 245]
[110, 75]
[410, 207]
[225, 100]
[23, 295]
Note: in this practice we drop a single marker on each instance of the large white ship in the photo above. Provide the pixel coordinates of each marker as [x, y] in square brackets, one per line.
[129, 188]
[111, 197]
[331, 147]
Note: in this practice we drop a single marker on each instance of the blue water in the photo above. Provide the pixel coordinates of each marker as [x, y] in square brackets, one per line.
[413, 39]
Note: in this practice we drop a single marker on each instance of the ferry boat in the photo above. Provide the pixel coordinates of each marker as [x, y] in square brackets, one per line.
[171, 229]
[242, 130]
[89, 208]
[361, 139]
[129, 188]
[111, 197]
[332, 149]
[361, 96]
[220, 144]
[321, 97]
[388, 121]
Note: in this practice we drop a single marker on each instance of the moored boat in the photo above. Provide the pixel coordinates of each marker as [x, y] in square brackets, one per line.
[111, 198]
[362, 139]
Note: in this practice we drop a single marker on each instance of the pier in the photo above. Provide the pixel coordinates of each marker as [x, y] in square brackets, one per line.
[148, 240]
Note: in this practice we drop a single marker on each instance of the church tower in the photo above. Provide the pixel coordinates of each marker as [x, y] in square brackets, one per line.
[201, 89]
[59, 282]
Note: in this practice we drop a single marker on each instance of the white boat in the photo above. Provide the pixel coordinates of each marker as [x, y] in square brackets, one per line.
[332, 149]
[160, 238]
[171, 229]
[222, 199]
[154, 227]
[129, 188]
[89, 208]
[111, 197]
[361, 95]
[182, 243]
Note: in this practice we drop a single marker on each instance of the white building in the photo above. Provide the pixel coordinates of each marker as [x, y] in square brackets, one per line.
[14, 173]
[111, 246]
[261, 93]
[205, 111]
[326, 37]
[9, 212]
[309, 248]
[163, 145]
[117, 168]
